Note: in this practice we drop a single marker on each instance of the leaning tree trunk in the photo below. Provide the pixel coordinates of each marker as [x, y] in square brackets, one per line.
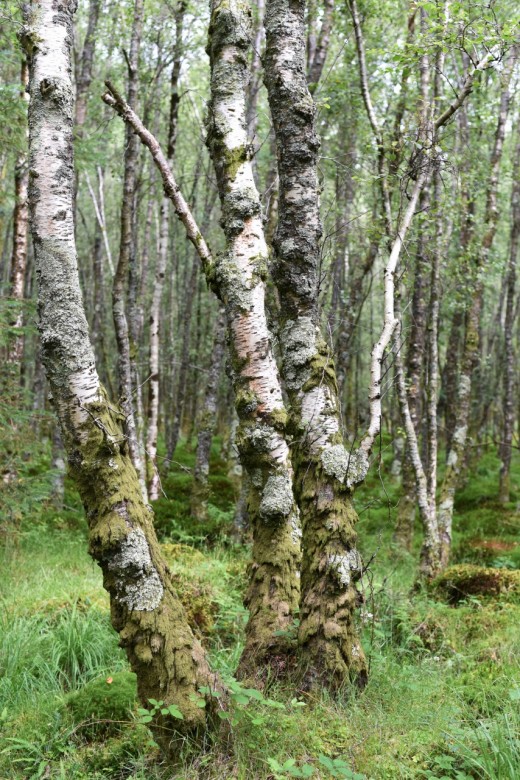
[509, 351]
[169, 662]
[330, 650]
[414, 372]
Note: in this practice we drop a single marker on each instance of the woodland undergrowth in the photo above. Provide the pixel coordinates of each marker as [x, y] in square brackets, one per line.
[443, 698]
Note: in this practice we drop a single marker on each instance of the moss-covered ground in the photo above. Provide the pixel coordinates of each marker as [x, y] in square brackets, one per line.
[443, 699]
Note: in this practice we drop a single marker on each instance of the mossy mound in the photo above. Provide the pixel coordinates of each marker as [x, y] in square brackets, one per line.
[104, 703]
[460, 582]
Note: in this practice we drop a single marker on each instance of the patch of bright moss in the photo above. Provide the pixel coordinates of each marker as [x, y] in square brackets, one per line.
[460, 582]
[105, 701]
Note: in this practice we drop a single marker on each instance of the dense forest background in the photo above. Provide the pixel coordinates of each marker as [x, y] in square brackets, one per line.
[295, 228]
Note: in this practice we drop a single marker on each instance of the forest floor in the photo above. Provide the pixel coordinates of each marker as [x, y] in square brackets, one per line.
[443, 699]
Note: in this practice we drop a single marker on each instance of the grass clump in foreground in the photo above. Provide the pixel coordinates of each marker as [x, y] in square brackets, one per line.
[443, 699]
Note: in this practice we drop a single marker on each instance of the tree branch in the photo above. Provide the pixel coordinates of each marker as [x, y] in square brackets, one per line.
[113, 99]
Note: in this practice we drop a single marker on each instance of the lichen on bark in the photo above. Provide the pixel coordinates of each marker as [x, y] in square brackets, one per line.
[238, 278]
[324, 469]
[169, 662]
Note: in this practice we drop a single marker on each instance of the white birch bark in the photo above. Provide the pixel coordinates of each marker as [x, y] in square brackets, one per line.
[239, 276]
[169, 662]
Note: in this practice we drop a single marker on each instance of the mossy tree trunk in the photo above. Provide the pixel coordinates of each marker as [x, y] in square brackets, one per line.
[239, 279]
[328, 642]
[169, 662]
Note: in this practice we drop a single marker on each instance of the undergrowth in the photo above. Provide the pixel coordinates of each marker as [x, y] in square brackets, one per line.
[443, 698]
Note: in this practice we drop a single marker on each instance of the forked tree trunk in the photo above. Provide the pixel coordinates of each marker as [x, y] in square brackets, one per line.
[239, 279]
[169, 662]
[330, 651]
[237, 276]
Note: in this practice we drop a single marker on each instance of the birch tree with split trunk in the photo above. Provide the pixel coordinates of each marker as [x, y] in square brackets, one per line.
[237, 276]
[169, 662]
[329, 646]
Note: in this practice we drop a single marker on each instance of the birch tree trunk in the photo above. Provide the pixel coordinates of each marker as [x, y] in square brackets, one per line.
[20, 236]
[509, 350]
[238, 277]
[169, 662]
[84, 77]
[470, 350]
[414, 374]
[127, 258]
[152, 470]
[329, 646]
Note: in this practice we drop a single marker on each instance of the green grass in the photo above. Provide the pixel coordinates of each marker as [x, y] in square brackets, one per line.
[443, 699]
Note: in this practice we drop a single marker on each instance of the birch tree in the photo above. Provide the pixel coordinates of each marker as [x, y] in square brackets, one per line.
[509, 349]
[330, 651]
[169, 662]
[238, 278]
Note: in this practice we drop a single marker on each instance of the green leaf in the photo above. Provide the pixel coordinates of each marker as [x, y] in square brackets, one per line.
[175, 712]
[240, 698]
[253, 693]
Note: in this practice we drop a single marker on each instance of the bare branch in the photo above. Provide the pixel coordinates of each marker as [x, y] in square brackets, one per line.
[113, 99]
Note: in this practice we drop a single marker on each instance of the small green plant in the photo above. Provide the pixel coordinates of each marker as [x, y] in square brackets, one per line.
[338, 767]
[147, 715]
